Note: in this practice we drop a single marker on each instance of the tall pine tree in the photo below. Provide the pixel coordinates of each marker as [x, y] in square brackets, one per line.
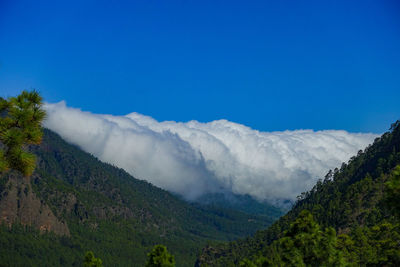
[20, 126]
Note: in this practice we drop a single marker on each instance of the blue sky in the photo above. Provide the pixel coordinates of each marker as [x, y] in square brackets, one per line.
[271, 65]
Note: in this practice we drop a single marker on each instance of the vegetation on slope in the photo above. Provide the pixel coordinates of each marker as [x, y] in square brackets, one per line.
[352, 201]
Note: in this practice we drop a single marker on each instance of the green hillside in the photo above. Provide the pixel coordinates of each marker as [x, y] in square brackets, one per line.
[80, 204]
[351, 222]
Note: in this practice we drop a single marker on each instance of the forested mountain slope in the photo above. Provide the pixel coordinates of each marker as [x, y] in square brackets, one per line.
[351, 200]
[74, 203]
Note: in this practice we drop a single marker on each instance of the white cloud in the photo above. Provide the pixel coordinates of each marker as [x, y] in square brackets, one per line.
[194, 158]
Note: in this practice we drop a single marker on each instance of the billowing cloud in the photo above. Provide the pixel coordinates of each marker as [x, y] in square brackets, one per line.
[194, 158]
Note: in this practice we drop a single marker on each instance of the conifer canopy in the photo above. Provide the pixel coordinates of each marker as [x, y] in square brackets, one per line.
[20, 126]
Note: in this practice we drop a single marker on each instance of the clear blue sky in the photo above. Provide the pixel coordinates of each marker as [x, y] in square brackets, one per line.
[271, 65]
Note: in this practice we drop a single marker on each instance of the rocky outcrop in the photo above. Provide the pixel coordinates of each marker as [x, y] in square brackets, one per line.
[19, 204]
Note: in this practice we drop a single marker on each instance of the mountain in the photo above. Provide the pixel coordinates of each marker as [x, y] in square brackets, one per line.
[361, 229]
[74, 203]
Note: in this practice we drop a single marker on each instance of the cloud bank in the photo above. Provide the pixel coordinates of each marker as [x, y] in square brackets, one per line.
[195, 158]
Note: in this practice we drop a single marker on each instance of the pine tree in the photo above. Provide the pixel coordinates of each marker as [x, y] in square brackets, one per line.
[91, 261]
[160, 257]
[305, 244]
[20, 125]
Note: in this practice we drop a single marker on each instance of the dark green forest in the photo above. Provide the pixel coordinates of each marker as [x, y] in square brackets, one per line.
[351, 218]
